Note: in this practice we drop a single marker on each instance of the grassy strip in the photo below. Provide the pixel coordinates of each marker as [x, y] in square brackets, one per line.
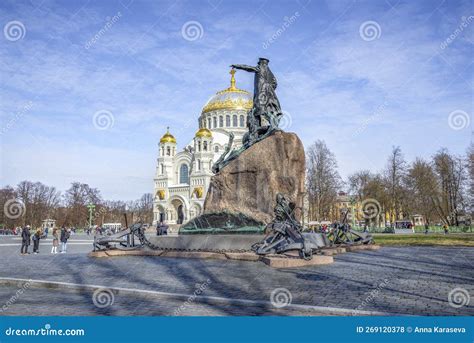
[422, 239]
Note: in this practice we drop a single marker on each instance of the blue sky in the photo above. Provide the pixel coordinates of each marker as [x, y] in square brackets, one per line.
[361, 75]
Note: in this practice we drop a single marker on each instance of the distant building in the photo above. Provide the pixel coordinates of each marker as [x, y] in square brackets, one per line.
[48, 223]
[418, 220]
[182, 177]
[345, 202]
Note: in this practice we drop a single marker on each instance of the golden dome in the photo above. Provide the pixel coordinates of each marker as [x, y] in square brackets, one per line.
[168, 137]
[231, 98]
[204, 133]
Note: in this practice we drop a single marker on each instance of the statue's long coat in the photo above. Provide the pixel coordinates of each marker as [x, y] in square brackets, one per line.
[265, 99]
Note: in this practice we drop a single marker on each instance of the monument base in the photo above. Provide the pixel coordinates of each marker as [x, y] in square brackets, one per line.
[222, 223]
[195, 247]
[229, 242]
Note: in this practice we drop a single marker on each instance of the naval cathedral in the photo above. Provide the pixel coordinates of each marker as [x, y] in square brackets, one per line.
[182, 178]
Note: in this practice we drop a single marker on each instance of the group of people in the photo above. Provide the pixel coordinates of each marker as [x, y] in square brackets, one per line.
[161, 229]
[59, 235]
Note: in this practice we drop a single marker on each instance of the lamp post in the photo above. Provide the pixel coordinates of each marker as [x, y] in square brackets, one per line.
[91, 208]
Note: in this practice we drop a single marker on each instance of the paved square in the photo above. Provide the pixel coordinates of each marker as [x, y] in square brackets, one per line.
[395, 280]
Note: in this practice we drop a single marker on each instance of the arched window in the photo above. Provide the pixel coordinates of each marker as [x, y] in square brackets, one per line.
[215, 122]
[162, 151]
[216, 148]
[184, 173]
[199, 165]
[208, 123]
[221, 121]
[168, 151]
[199, 146]
[234, 121]
[162, 169]
[242, 123]
[227, 121]
[205, 146]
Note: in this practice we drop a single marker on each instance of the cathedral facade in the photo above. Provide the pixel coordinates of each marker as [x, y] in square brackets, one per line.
[182, 177]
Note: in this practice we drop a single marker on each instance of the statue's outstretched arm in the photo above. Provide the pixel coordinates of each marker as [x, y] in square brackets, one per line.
[245, 67]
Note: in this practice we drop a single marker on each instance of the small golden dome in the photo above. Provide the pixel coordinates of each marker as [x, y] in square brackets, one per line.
[168, 137]
[204, 133]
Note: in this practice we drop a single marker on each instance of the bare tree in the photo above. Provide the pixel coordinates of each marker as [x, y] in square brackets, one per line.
[470, 187]
[423, 189]
[145, 208]
[76, 198]
[323, 180]
[451, 173]
[394, 175]
[7, 193]
[39, 200]
[42, 202]
[358, 183]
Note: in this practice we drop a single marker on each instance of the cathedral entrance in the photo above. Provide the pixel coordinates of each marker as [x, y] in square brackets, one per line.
[178, 211]
[180, 215]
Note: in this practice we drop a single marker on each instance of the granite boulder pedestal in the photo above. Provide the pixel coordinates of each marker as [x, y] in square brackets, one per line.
[242, 195]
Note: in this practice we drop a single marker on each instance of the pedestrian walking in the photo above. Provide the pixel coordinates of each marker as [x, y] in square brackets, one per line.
[36, 241]
[64, 237]
[427, 227]
[25, 240]
[445, 227]
[54, 249]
